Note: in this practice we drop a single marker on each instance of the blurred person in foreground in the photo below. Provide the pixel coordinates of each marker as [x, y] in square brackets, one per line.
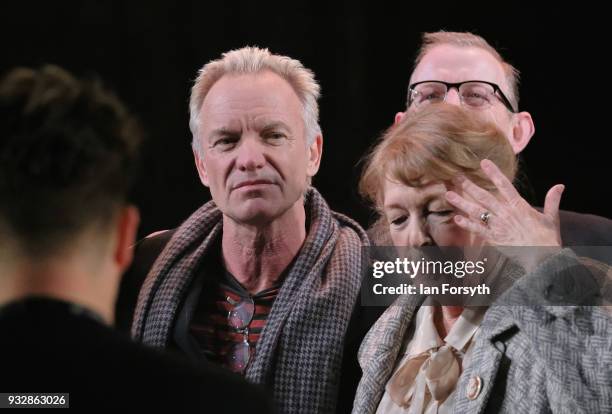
[68, 154]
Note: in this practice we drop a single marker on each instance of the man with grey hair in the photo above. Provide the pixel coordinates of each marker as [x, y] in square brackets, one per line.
[263, 279]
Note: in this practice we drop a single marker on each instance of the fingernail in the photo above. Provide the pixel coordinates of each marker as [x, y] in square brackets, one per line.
[451, 196]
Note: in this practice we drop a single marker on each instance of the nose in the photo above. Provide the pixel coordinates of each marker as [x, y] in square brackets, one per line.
[250, 155]
[452, 97]
[417, 234]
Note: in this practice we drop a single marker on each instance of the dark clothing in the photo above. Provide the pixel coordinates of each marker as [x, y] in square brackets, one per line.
[50, 346]
[584, 229]
[145, 253]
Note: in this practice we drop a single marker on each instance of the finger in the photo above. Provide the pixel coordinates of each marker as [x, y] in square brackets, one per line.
[470, 208]
[505, 187]
[474, 226]
[553, 200]
[484, 197]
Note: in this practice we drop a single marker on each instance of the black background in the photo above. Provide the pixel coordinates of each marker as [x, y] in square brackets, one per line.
[362, 55]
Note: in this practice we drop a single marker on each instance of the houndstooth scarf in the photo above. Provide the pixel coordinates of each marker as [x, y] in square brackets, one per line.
[299, 354]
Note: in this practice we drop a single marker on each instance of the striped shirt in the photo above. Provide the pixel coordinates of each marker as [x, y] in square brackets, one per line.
[210, 326]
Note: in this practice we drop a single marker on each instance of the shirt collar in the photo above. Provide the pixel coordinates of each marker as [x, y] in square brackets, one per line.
[426, 335]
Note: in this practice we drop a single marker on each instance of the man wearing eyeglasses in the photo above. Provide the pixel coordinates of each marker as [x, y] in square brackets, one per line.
[463, 69]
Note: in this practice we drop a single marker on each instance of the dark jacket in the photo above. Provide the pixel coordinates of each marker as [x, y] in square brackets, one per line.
[49, 346]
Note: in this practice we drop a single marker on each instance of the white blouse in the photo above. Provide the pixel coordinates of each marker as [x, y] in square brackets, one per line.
[425, 378]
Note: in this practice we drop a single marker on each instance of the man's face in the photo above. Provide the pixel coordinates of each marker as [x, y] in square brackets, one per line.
[254, 156]
[453, 64]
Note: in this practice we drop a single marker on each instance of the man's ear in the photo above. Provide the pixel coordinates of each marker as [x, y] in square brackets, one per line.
[127, 227]
[199, 162]
[398, 117]
[522, 131]
[315, 151]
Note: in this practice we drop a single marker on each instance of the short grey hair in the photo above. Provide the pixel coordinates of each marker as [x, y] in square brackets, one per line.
[251, 60]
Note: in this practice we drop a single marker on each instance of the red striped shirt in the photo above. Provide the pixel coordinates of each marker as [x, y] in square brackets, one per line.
[210, 326]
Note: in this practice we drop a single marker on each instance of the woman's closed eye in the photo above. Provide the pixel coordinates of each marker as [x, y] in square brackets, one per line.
[441, 213]
[399, 220]
[440, 216]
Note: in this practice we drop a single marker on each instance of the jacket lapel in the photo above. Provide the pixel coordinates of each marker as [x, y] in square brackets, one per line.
[379, 351]
[476, 382]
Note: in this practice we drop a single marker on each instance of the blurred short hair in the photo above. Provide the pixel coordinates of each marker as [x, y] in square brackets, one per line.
[68, 157]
